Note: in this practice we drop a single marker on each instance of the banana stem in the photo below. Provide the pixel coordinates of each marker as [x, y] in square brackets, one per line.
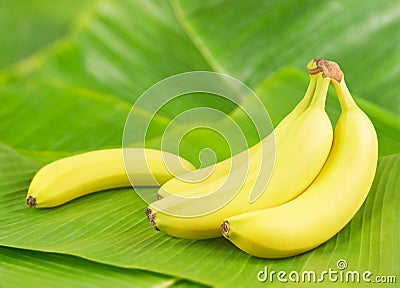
[320, 92]
[343, 93]
[329, 69]
[305, 102]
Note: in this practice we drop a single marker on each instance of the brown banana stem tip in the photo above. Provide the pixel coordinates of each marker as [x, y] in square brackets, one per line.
[225, 228]
[151, 216]
[31, 202]
[328, 68]
[159, 197]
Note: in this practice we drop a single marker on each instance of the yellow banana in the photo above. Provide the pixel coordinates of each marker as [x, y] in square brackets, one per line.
[75, 176]
[329, 203]
[218, 174]
[301, 151]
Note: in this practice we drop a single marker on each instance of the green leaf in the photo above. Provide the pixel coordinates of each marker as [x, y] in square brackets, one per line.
[75, 95]
[103, 64]
[22, 268]
[25, 27]
[263, 37]
[110, 227]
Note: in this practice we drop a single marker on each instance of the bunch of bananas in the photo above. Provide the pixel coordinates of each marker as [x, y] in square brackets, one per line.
[319, 180]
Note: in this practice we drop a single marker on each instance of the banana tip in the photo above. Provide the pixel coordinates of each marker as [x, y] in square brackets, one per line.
[225, 229]
[31, 202]
[159, 197]
[151, 216]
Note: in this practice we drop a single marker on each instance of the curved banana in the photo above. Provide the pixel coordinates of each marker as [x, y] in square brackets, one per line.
[220, 172]
[300, 154]
[329, 203]
[75, 176]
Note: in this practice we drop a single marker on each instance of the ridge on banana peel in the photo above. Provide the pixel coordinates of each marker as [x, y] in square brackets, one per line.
[303, 141]
[330, 202]
[68, 178]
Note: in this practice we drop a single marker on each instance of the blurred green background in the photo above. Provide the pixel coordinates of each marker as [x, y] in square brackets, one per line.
[70, 72]
[28, 26]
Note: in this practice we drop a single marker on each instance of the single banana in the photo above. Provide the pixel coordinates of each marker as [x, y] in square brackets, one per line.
[329, 203]
[75, 176]
[300, 154]
[218, 174]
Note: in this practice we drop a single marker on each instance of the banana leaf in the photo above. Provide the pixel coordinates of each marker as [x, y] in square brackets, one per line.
[110, 227]
[55, 270]
[75, 95]
[27, 26]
